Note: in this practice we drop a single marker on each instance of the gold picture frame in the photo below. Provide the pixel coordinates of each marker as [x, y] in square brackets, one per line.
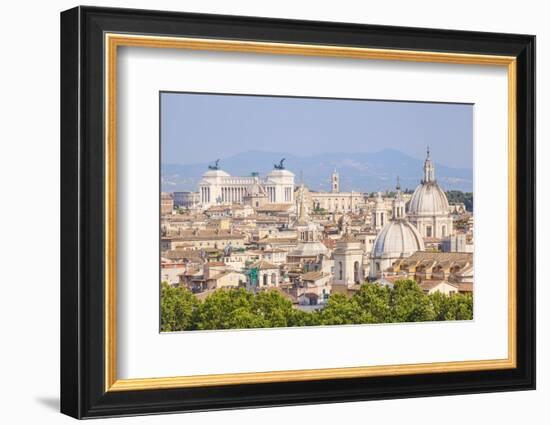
[114, 41]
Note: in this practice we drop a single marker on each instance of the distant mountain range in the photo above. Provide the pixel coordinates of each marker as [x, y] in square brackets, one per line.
[365, 172]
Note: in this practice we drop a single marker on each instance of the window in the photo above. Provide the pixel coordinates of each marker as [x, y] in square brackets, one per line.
[428, 231]
[356, 272]
[340, 274]
[265, 279]
[273, 278]
[443, 231]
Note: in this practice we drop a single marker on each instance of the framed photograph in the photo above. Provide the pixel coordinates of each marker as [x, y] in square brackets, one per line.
[261, 212]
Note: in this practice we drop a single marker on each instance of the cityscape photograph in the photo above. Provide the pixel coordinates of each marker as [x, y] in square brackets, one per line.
[280, 211]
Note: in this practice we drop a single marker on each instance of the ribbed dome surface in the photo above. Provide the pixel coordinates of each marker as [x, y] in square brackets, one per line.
[307, 249]
[396, 238]
[428, 199]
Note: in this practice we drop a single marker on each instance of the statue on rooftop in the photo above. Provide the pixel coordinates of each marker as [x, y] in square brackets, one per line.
[280, 165]
[215, 166]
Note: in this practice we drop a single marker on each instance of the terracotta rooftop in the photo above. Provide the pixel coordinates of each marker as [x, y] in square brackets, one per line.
[276, 240]
[178, 254]
[430, 284]
[204, 235]
[315, 275]
[274, 208]
[466, 287]
[263, 265]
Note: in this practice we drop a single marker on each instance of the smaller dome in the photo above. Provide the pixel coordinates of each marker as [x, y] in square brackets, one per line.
[429, 199]
[309, 249]
[256, 190]
[397, 238]
[216, 173]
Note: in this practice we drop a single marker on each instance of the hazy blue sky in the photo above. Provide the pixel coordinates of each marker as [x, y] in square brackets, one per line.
[202, 127]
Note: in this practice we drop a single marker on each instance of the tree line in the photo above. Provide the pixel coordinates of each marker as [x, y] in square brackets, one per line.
[459, 197]
[239, 309]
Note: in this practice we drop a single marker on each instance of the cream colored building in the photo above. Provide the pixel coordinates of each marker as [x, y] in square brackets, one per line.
[171, 272]
[422, 266]
[219, 187]
[334, 201]
[268, 273]
[348, 261]
[379, 213]
[226, 279]
[441, 286]
[203, 239]
[166, 203]
[314, 289]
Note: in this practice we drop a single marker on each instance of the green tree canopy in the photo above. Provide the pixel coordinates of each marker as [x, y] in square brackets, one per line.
[178, 308]
[373, 303]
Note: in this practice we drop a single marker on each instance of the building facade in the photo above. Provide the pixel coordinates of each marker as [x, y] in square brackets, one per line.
[166, 203]
[186, 199]
[219, 187]
[348, 261]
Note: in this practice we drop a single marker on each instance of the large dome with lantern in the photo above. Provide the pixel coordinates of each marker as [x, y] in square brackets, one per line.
[428, 199]
[428, 208]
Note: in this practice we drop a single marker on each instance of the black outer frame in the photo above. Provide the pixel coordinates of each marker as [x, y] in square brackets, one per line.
[82, 206]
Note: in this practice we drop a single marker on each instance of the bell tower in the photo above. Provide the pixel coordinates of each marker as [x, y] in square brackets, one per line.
[335, 182]
[398, 204]
[379, 213]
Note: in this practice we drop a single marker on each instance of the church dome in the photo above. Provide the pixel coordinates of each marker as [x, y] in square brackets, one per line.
[309, 249]
[397, 238]
[429, 199]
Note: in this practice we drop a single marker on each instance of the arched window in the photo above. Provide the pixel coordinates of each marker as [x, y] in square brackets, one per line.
[356, 272]
[273, 278]
[340, 272]
[265, 279]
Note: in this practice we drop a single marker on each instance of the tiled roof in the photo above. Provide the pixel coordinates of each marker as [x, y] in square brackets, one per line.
[466, 287]
[263, 265]
[430, 284]
[315, 275]
[276, 240]
[274, 208]
[205, 235]
[178, 254]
